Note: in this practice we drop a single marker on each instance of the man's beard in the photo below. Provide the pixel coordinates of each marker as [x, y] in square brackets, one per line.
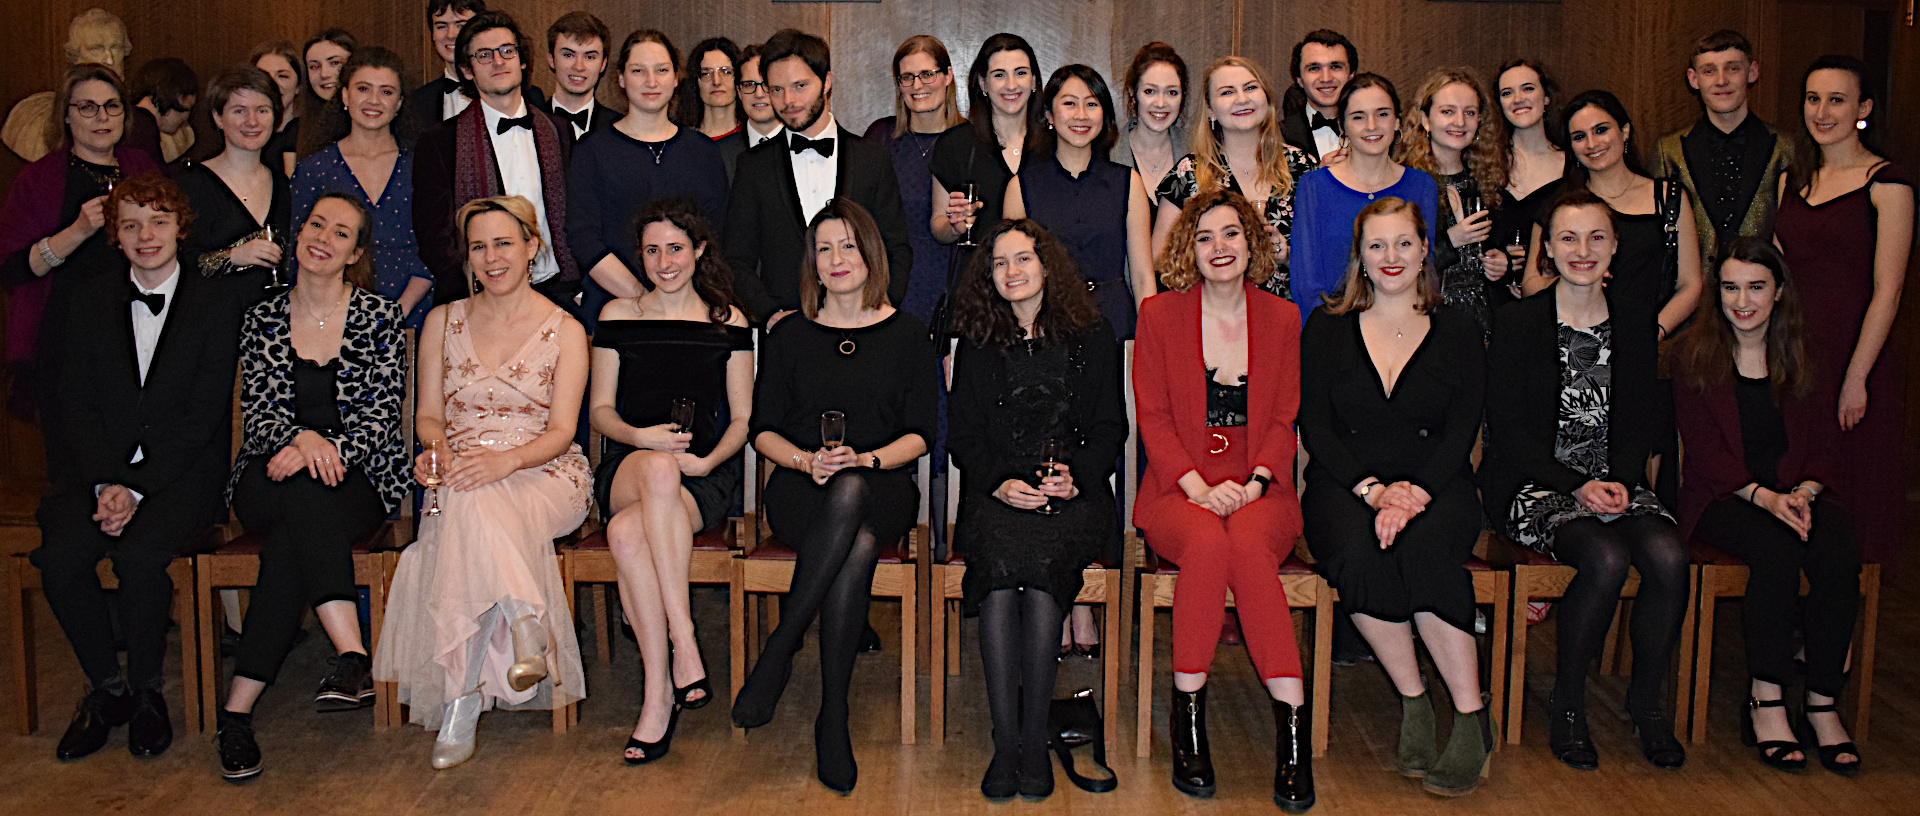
[818, 107]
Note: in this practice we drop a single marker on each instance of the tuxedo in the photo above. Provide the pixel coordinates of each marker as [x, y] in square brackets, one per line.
[767, 229]
[426, 101]
[1294, 129]
[435, 204]
[164, 435]
[598, 117]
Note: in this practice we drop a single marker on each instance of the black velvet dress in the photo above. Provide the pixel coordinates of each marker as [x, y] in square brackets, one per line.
[665, 360]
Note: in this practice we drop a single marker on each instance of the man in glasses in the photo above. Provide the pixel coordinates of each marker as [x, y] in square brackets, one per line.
[441, 99]
[750, 88]
[503, 145]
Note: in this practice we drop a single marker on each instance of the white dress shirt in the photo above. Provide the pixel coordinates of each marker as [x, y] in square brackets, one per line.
[578, 131]
[814, 175]
[453, 103]
[754, 137]
[519, 162]
[1324, 137]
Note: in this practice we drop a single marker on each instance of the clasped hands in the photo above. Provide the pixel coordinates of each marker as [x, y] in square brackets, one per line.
[1225, 498]
[1022, 496]
[1394, 507]
[670, 438]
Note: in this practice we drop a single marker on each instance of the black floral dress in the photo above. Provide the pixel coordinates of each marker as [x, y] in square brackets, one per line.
[1586, 386]
[1463, 276]
[1182, 183]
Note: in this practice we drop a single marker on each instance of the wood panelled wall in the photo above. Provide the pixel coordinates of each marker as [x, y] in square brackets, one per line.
[1637, 48]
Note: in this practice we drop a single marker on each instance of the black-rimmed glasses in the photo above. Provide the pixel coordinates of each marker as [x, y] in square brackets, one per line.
[924, 77]
[92, 110]
[504, 52]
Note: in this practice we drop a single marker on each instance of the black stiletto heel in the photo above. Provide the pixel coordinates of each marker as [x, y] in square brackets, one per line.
[650, 751]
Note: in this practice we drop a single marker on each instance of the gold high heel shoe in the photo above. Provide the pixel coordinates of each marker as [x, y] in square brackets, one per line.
[531, 645]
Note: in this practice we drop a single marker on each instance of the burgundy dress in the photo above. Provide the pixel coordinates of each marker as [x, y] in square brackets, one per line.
[1830, 247]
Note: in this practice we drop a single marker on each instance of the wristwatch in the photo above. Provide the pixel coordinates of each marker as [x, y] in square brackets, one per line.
[876, 460]
[1367, 489]
[1265, 482]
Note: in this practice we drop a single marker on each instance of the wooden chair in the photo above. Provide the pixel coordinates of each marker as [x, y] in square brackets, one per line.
[1305, 590]
[590, 561]
[767, 569]
[1723, 576]
[23, 579]
[1494, 587]
[1539, 577]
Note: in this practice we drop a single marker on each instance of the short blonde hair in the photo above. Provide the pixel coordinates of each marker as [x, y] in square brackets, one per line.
[1179, 269]
[517, 206]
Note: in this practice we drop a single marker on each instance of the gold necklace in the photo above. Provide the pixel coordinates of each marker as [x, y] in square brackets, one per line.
[320, 318]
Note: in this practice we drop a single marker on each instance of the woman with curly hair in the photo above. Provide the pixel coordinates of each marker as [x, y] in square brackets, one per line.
[1454, 135]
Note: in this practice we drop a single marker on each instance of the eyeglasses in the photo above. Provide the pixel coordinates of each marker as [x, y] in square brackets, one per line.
[748, 86]
[925, 77]
[92, 110]
[723, 71]
[504, 52]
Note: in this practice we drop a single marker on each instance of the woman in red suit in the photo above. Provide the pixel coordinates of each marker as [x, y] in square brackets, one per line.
[1217, 497]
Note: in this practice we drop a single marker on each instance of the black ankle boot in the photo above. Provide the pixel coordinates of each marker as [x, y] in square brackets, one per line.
[1003, 774]
[1293, 777]
[1568, 738]
[1655, 731]
[1192, 761]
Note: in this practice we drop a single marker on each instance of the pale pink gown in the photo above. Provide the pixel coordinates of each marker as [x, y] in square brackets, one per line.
[489, 549]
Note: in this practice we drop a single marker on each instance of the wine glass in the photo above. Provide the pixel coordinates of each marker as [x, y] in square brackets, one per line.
[1517, 254]
[1049, 456]
[436, 468]
[682, 415]
[966, 238]
[1471, 205]
[833, 430]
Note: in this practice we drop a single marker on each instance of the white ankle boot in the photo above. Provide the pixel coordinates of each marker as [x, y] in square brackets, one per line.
[458, 729]
[531, 644]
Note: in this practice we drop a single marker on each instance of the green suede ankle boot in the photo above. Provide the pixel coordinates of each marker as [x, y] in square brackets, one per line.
[1417, 752]
[1469, 755]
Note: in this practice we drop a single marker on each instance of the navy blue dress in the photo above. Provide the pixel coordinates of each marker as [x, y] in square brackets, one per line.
[913, 166]
[1089, 215]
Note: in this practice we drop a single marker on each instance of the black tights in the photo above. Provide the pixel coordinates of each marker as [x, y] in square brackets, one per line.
[1602, 552]
[832, 576]
[1019, 647]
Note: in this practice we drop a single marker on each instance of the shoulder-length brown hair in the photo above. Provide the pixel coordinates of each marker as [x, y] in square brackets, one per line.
[949, 107]
[59, 136]
[1179, 269]
[359, 273]
[1486, 156]
[1210, 163]
[1356, 289]
[1705, 350]
[712, 280]
[873, 251]
[1067, 309]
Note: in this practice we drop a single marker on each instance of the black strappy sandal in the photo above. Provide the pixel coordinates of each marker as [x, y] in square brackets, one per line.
[1830, 754]
[1772, 752]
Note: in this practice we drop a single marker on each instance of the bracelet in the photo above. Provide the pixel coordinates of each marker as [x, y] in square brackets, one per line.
[1663, 331]
[1753, 494]
[46, 253]
[796, 462]
[1811, 493]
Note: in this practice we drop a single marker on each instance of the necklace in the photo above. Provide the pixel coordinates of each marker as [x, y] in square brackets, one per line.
[658, 152]
[847, 346]
[320, 318]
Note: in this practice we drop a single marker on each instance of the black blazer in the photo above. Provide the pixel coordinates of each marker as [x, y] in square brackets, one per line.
[434, 204]
[1523, 399]
[1424, 433]
[181, 419]
[1293, 128]
[425, 100]
[766, 232]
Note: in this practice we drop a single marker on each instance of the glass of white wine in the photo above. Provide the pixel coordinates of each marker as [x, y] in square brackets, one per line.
[435, 470]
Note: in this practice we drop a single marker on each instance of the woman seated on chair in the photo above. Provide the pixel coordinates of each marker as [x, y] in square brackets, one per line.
[322, 464]
[681, 344]
[1761, 448]
[1571, 373]
[1217, 497]
[1392, 383]
[478, 615]
[860, 365]
[1039, 370]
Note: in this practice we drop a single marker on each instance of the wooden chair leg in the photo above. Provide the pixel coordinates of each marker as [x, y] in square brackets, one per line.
[1500, 647]
[1683, 663]
[1703, 653]
[909, 652]
[938, 624]
[1869, 630]
[1322, 662]
[376, 619]
[209, 657]
[737, 634]
[1517, 666]
[1143, 694]
[184, 611]
[388, 694]
[603, 624]
[19, 624]
[1112, 611]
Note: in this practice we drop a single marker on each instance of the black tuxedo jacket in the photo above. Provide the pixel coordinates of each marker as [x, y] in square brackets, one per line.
[435, 204]
[425, 100]
[1293, 128]
[602, 119]
[181, 419]
[766, 232]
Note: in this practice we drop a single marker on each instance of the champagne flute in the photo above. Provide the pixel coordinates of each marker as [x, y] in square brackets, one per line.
[1471, 205]
[1517, 255]
[682, 415]
[966, 238]
[1049, 456]
[435, 469]
[273, 270]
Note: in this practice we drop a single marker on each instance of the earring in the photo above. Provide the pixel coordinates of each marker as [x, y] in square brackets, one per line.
[1860, 124]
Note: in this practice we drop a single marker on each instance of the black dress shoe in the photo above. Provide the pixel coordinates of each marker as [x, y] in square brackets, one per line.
[239, 754]
[97, 715]
[1192, 757]
[869, 641]
[1568, 738]
[150, 731]
[349, 686]
[1657, 742]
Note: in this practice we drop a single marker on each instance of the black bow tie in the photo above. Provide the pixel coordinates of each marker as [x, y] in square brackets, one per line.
[447, 85]
[509, 124]
[156, 302]
[580, 120]
[1315, 121]
[802, 144]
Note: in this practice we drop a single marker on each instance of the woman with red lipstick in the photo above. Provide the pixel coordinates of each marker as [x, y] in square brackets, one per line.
[372, 159]
[1392, 386]
[1154, 138]
[241, 203]
[1242, 130]
[322, 59]
[986, 154]
[1570, 373]
[1846, 226]
[706, 99]
[1535, 165]
[1216, 377]
[1762, 447]
[1454, 136]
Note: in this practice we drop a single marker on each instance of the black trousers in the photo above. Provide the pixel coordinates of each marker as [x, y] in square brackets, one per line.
[1775, 558]
[306, 558]
[167, 523]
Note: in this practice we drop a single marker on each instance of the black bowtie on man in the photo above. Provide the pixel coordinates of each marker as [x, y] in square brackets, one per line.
[142, 386]
[577, 54]
[1322, 63]
[781, 183]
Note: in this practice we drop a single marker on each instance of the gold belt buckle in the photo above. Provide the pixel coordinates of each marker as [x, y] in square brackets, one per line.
[1224, 443]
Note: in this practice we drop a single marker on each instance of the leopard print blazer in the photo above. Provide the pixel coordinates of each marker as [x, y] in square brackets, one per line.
[372, 385]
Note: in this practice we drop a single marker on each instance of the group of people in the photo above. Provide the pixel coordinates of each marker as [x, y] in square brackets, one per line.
[1482, 266]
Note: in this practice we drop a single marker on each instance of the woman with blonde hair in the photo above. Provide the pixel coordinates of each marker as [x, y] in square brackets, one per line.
[924, 106]
[1454, 135]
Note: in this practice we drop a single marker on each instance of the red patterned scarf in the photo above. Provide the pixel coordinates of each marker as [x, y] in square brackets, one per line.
[476, 174]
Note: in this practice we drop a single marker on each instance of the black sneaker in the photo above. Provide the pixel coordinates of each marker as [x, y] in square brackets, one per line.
[349, 686]
[239, 754]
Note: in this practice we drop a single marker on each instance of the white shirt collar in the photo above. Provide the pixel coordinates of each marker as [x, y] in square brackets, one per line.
[832, 130]
[754, 137]
[586, 107]
[493, 117]
[451, 74]
[166, 287]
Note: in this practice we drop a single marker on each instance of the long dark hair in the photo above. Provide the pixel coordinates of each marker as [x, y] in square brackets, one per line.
[1067, 309]
[712, 280]
[335, 123]
[1361, 82]
[1807, 157]
[689, 102]
[1576, 173]
[1705, 351]
[1045, 141]
[312, 107]
[979, 105]
[1548, 86]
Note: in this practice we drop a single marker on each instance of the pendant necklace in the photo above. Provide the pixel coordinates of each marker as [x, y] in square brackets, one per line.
[321, 317]
[847, 346]
[658, 152]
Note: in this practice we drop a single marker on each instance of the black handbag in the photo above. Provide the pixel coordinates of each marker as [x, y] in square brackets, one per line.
[1075, 722]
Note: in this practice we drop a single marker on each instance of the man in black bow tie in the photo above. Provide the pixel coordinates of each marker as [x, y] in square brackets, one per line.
[1322, 63]
[502, 146]
[141, 384]
[441, 99]
[780, 184]
[577, 54]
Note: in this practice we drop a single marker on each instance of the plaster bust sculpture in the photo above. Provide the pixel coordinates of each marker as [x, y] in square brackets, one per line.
[32, 130]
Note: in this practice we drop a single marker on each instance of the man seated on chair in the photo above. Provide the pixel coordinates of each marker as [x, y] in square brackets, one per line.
[143, 387]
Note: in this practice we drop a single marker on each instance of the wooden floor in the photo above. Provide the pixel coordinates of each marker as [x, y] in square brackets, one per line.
[335, 763]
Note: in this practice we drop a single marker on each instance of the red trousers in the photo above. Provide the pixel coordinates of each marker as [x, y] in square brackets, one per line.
[1241, 552]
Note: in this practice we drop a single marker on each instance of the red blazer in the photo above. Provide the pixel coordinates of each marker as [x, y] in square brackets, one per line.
[1714, 458]
[1170, 396]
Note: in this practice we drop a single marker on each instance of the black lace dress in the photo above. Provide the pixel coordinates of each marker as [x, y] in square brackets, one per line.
[1005, 404]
